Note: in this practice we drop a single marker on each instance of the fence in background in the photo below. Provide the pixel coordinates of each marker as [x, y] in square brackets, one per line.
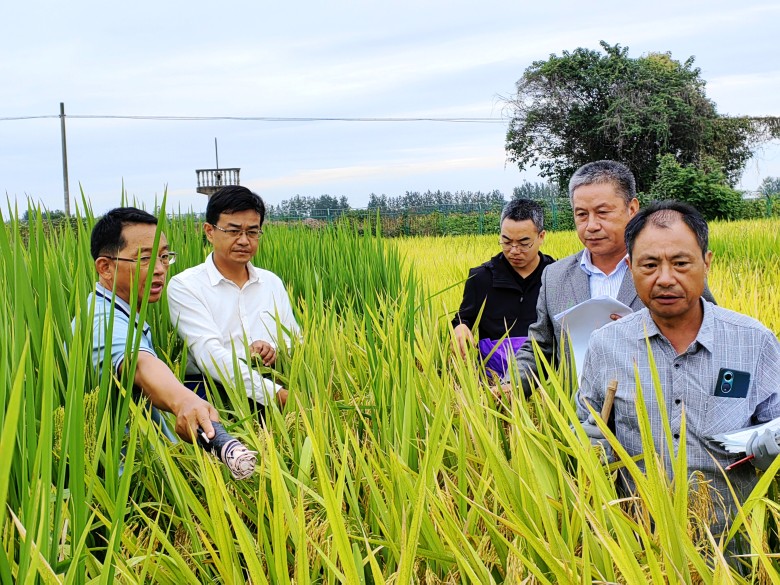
[430, 220]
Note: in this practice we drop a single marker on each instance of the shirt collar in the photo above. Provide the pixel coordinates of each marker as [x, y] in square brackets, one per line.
[119, 304]
[705, 337]
[590, 269]
[215, 276]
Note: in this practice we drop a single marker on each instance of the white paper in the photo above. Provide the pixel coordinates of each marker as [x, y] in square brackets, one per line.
[736, 441]
[581, 320]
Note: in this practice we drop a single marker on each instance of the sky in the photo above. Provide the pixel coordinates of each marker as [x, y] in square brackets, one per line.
[338, 59]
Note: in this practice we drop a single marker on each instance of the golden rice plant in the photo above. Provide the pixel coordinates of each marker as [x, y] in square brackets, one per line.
[392, 463]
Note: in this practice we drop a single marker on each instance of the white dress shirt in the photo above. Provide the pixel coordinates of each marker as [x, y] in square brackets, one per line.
[216, 318]
[603, 284]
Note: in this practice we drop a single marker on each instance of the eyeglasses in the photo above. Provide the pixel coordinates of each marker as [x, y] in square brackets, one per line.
[167, 259]
[509, 244]
[252, 234]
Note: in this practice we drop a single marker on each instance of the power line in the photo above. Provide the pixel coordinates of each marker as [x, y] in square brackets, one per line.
[454, 120]
[26, 118]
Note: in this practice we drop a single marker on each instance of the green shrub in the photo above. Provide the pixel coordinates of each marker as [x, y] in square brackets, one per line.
[705, 189]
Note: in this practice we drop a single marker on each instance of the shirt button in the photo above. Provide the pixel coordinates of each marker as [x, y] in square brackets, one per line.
[676, 365]
[677, 435]
[677, 401]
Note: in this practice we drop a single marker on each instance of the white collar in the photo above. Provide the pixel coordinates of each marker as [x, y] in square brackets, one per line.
[587, 265]
[215, 276]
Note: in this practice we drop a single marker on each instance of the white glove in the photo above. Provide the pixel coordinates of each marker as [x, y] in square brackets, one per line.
[597, 438]
[763, 448]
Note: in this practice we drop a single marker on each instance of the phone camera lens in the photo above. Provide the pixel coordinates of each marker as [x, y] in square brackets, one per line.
[726, 387]
[728, 376]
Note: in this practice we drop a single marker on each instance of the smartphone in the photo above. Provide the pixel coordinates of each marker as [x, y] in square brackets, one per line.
[732, 383]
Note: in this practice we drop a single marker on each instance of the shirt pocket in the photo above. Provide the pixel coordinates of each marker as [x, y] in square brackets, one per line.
[726, 414]
[626, 419]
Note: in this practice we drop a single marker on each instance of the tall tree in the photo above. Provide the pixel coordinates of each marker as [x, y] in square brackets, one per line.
[770, 186]
[588, 105]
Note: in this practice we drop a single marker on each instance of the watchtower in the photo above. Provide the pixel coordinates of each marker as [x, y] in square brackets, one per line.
[212, 180]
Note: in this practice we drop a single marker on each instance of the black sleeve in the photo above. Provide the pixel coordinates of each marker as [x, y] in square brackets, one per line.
[471, 303]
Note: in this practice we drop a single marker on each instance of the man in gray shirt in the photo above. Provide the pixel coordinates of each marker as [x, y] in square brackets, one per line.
[603, 199]
[717, 368]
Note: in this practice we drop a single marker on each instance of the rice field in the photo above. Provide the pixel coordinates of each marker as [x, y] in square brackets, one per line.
[392, 463]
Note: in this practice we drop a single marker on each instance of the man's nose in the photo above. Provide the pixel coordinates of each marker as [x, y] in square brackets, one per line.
[594, 224]
[666, 275]
[159, 266]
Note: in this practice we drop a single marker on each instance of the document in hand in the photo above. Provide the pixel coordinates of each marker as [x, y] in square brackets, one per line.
[581, 320]
[736, 441]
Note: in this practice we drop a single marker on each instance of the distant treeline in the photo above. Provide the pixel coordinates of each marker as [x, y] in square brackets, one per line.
[430, 201]
[477, 212]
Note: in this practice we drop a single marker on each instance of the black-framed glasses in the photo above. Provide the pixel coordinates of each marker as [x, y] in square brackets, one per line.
[509, 244]
[166, 258]
[252, 233]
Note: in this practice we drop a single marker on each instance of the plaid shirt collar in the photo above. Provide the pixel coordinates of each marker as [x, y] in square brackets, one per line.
[705, 337]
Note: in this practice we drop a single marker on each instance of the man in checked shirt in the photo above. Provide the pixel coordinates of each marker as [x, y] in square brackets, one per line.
[720, 367]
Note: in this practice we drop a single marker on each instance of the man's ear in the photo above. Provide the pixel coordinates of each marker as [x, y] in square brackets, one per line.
[105, 268]
[633, 207]
[208, 229]
[707, 262]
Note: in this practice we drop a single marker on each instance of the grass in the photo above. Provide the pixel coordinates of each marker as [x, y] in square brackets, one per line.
[391, 463]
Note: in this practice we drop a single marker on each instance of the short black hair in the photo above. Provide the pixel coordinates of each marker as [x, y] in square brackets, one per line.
[604, 171]
[232, 199]
[522, 210]
[107, 237]
[663, 214]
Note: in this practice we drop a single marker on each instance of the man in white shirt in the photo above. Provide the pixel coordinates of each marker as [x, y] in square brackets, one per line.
[226, 305]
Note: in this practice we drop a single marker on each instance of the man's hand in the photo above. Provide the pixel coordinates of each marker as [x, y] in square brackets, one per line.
[763, 448]
[597, 438]
[463, 338]
[265, 351]
[502, 392]
[281, 397]
[167, 393]
[193, 412]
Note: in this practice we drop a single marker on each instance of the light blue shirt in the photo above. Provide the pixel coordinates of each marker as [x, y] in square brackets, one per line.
[603, 284]
[102, 298]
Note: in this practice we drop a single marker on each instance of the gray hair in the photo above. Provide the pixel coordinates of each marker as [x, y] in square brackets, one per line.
[604, 171]
[522, 210]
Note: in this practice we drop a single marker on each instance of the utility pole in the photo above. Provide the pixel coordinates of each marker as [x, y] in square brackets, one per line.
[64, 160]
[216, 151]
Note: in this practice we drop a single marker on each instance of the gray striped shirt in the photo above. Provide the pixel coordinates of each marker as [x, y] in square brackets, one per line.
[726, 339]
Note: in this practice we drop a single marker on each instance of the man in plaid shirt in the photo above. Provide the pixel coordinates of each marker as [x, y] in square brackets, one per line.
[717, 368]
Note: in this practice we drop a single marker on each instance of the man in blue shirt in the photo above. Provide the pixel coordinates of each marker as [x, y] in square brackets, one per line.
[122, 243]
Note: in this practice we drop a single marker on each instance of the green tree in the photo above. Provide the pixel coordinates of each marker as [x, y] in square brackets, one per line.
[537, 191]
[705, 189]
[770, 186]
[770, 190]
[588, 105]
[55, 215]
